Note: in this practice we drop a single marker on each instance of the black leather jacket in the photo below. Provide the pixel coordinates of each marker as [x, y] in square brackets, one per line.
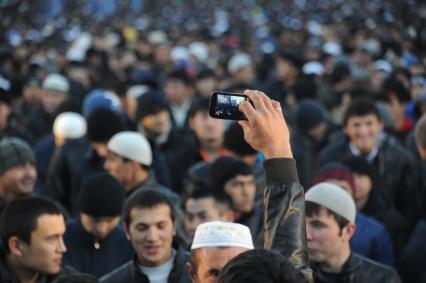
[358, 269]
[131, 273]
[284, 203]
[394, 169]
[9, 276]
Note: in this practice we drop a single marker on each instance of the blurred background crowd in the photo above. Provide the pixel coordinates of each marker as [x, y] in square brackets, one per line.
[74, 74]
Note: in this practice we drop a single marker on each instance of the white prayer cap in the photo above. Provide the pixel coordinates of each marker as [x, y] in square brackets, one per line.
[200, 50]
[69, 125]
[239, 61]
[332, 48]
[131, 145]
[313, 68]
[222, 234]
[56, 82]
[137, 91]
[334, 198]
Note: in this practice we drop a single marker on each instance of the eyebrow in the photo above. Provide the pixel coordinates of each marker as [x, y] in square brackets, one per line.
[214, 271]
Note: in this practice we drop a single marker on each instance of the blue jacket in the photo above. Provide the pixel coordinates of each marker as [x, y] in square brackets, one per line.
[372, 240]
[82, 255]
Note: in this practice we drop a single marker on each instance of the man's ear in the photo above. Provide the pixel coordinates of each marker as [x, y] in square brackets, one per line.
[15, 246]
[348, 231]
[126, 230]
[191, 271]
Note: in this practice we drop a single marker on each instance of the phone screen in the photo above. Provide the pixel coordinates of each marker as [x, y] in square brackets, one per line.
[224, 105]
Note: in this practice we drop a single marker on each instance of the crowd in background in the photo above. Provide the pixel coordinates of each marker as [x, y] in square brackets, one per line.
[123, 87]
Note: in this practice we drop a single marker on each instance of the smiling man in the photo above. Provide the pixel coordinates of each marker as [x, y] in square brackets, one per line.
[32, 247]
[17, 170]
[394, 170]
[150, 226]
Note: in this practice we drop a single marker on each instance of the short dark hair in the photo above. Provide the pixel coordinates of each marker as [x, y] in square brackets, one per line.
[222, 200]
[313, 208]
[260, 265]
[393, 86]
[179, 75]
[199, 104]
[20, 217]
[143, 199]
[361, 107]
[420, 132]
[76, 278]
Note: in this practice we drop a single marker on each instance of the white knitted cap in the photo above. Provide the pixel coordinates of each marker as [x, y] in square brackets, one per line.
[334, 198]
[222, 234]
[56, 82]
[313, 67]
[131, 145]
[69, 125]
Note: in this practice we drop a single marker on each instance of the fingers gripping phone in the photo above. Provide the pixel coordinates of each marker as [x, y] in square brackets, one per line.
[224, 105]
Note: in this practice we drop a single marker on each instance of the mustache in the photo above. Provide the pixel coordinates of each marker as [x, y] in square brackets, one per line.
[27, 178]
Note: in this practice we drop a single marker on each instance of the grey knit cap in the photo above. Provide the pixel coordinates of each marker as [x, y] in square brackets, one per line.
[14, 152]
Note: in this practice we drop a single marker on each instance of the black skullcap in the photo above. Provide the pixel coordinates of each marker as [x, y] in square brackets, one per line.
[234, 141]
[102, 196]
[150, 103]
[224, 169]
[309, 114]
[102, 124]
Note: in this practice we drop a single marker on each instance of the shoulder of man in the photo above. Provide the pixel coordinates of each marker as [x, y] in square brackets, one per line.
[375, 271]
[179, 273]
[122, 274]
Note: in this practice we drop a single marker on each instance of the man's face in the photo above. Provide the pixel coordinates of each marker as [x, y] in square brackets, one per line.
[151, 232]
[44, 254]
[209, 131]
[18, 181]
[363, 186]
[177, 92]
[245, 75]
[325, 240]
[242, 190]
[199, 211]
[4, 114]
[100, 227]
[363, 131]
[208, 262]
[51, 99]
[117, 167]
[157, 124]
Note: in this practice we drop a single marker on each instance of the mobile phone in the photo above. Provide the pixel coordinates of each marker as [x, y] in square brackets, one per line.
[224, 105]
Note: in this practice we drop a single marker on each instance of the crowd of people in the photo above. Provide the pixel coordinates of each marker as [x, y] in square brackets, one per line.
[112, 170]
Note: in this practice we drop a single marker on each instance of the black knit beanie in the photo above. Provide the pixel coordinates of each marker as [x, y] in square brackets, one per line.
[102, 196]
[102, 124]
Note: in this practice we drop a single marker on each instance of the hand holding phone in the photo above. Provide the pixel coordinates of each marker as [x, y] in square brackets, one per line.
[224, 105]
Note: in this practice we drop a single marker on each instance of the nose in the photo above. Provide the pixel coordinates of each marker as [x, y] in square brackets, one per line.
[152, 235]
[30, 170]
[61, 246]
[309, 235]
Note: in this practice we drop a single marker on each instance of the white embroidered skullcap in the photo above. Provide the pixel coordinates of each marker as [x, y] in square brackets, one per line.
[222, 234]
[131, 145]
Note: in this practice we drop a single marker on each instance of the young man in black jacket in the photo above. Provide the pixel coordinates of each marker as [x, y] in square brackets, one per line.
[150, 226]
[32, 244]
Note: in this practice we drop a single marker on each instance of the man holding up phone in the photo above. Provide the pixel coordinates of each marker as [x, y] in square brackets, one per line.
[284, 223]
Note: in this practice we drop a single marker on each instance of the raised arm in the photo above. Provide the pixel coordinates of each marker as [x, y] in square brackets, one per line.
[284, 203]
